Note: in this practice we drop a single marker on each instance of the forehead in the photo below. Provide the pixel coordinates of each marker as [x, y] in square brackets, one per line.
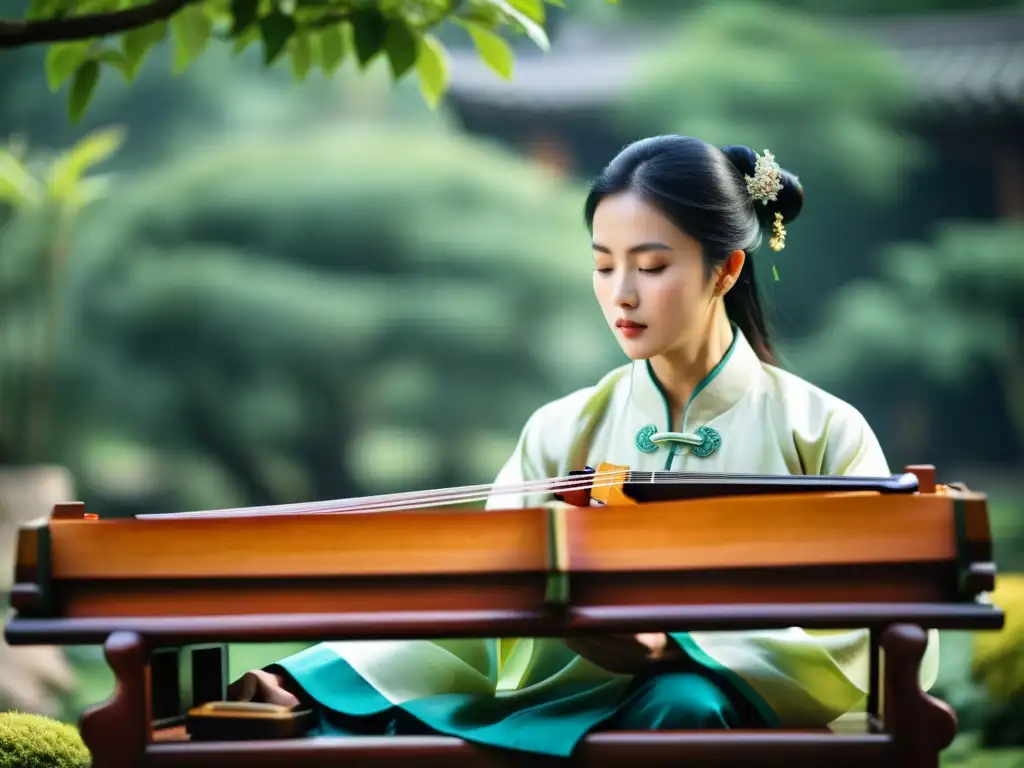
[626, 219]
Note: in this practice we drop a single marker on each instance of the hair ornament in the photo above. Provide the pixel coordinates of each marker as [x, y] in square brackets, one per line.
[766, 183]
[778, 239]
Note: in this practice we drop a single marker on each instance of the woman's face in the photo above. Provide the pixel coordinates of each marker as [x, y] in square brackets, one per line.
[649, 278]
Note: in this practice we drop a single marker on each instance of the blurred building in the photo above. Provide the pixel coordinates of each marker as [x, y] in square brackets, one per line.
[968, 69]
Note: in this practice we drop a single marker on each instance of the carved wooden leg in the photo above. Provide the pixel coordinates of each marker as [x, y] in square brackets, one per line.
[116, 731]
[921, 725]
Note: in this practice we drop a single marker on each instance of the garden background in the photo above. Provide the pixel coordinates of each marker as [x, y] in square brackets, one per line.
[270, 289]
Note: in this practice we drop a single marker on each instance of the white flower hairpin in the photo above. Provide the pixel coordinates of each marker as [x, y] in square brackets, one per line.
[764, 187]
[766, 183]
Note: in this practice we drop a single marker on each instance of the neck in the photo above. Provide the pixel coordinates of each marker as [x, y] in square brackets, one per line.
[681, 369]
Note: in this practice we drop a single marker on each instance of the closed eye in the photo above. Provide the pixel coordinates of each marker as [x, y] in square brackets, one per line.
[654, 270]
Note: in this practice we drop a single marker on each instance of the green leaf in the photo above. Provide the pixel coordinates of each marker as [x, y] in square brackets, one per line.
[62, 60]
[138, 42]
[17, 186]
[302, 57]
[275, 30]
[533, 30]
[433, 67]
[493, 49]
[83, 85]
[332, 48]
[117, 60]
[69, 169]
[532, 8]
[190, 30]
[250, 35]
[243, 15]
[402, 45]
[88, 191]
[40, 9]
[369, 30]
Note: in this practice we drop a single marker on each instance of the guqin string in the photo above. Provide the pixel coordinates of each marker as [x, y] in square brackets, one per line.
[469, 494]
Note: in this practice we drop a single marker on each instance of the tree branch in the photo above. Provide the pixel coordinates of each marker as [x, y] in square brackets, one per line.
[21, 33]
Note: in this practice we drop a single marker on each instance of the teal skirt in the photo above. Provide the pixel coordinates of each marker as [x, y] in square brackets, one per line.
[685, 696]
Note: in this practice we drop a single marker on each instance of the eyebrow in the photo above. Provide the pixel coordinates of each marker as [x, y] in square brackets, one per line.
[641, 248]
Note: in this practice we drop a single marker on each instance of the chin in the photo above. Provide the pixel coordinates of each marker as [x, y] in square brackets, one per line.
[637, 350]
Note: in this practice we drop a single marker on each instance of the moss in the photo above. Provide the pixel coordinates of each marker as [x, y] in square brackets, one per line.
[999, 656]
[33, 741]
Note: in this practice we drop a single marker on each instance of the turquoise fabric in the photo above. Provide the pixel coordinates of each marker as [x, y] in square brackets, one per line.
[688, 696]
[764, 713]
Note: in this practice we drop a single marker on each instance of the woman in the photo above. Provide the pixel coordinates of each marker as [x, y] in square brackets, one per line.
[674, 222]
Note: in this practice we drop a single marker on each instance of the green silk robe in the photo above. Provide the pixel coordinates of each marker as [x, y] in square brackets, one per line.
[536, 694]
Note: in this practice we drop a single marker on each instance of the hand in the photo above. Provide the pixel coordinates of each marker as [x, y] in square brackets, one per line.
[264, 687]
[626, 654]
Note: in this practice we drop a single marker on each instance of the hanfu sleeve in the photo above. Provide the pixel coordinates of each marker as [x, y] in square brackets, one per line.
[542, 451]
[842, 443]
[850, 447]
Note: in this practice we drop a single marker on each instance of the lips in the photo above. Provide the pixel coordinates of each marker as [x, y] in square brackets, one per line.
[628, 324]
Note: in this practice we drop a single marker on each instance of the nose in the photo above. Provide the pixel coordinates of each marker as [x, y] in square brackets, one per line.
[624, 294]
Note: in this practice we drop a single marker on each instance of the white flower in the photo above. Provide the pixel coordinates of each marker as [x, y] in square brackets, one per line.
[766, 183]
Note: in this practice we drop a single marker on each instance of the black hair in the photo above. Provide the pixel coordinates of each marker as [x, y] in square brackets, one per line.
[701, 189]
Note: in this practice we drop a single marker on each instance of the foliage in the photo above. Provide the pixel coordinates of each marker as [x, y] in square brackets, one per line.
[347, 311]
[944, 309]
[46, 195]
[646, 9]
[309, 34]
[60, 181]
[999, 656]
[999, 665]
[32, 741]
[739, 73]
[966, 752]
[221, 94]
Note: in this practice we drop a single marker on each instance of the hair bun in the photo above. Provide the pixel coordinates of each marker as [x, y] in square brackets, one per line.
[790, 198]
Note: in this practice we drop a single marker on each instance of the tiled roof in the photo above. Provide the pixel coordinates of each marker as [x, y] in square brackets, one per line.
[960, 62]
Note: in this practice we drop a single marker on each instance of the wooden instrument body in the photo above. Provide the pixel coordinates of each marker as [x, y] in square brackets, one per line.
[894, 563]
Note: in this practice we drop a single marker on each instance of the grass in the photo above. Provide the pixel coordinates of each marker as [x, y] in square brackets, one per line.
[964, 753]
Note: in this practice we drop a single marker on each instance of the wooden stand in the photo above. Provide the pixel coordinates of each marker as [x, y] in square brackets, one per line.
[894, 557]
[912, 734]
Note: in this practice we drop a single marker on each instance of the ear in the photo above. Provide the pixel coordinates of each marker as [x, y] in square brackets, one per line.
[729, 271]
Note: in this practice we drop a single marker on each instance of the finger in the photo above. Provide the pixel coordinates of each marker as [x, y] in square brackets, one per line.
[655, 642]
[244, 688]
[272, 691]
[275, 694]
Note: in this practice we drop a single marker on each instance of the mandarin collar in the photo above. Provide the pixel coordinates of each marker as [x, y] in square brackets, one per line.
[723, 387]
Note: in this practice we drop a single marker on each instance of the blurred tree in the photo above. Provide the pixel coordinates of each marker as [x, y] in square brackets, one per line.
[829, 107]
[41, 199]
[661, 8]
[46, 196]
[336, 314]
[998, 664]
[309, 34]
[943, 317]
